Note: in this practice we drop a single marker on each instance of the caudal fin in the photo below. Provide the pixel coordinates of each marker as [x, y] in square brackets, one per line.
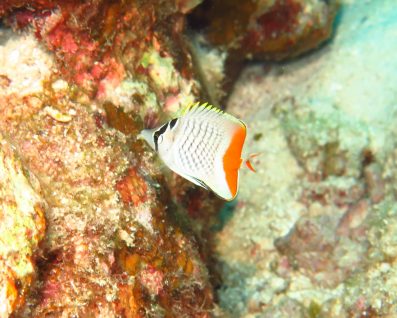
[248, 162]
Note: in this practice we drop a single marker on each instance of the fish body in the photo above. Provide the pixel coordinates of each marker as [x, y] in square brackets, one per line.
[204, 145]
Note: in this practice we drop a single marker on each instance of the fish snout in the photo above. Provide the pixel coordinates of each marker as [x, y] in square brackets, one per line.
[147, 135]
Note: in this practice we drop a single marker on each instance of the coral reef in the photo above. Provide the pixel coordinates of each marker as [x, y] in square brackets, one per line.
[77, 84]
[313, 232]
[92, 225]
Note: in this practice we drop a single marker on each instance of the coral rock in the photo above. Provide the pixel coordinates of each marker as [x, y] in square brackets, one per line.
[267, 29]
[75, 89]
[22, 227]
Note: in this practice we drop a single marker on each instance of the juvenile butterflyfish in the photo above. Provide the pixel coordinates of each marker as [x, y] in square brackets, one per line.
[203, 145]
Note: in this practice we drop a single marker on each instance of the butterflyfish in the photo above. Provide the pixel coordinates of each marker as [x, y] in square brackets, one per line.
[203, 145]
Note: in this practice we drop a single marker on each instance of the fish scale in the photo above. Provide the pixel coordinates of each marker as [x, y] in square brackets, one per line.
[197, 149]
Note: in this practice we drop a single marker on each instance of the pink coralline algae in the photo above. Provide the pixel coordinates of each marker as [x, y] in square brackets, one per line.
[152, 279]
[97, 43]
[82, 59]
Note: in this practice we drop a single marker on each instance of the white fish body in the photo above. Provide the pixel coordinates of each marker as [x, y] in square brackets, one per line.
[204, 145]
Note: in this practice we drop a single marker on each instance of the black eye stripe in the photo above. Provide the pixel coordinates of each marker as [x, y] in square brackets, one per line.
[162, 129]
[157, 134]
[155, 139]
[173, 122]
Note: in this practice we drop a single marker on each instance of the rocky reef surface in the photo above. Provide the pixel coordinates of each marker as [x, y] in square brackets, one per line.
[237, 31]
[88, 227]
[267, 29]
[313, 232]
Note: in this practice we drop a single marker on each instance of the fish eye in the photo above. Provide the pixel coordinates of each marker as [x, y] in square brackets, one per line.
[160, 139]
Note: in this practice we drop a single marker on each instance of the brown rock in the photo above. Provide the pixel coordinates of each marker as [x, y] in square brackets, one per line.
[271, 29]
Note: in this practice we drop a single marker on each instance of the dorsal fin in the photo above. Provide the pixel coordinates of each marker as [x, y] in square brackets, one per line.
[197, 109]
[194, 108]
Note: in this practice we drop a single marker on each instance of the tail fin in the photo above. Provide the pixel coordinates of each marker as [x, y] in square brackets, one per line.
[248, 161]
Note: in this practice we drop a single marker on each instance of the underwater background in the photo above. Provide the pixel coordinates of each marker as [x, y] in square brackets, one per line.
[93, 224]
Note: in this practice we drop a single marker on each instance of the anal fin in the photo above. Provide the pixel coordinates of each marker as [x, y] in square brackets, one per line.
[195, 181]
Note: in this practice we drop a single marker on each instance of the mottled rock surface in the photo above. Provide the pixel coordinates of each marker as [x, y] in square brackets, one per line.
[270, 29]
[22, 228]
[231, 32]
[78, 82]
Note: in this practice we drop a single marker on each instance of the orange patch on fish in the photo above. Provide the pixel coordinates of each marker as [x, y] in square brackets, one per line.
[232, 159]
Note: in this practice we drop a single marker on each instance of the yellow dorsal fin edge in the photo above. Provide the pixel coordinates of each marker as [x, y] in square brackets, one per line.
[197, 105]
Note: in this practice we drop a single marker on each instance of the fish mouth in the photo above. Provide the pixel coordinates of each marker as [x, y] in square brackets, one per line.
[147, 135]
